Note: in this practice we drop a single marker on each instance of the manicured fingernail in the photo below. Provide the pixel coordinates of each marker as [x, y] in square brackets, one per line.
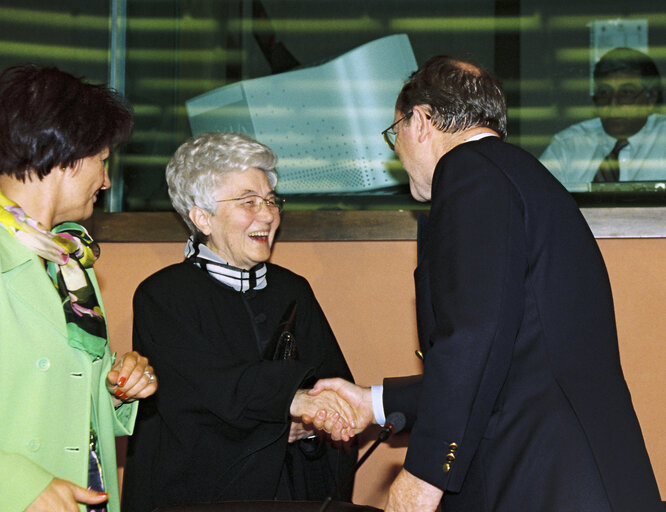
[121, 381]
[103, 494]
[124, 396]
[118, 392]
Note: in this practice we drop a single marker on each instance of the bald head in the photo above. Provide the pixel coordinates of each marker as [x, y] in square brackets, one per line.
[467, 67]
[458, 96]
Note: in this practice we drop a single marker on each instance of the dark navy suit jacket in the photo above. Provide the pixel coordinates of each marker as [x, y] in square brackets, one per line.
[522, 404]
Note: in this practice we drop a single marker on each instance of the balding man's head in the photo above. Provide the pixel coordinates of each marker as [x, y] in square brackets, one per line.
[458, 95]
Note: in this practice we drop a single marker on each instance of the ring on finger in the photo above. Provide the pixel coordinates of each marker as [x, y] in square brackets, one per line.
[151, 377]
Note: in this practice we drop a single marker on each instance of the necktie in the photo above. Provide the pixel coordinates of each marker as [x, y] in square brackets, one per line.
[609, 169]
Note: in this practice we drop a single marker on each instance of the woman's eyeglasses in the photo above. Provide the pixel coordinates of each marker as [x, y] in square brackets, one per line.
[254, 203]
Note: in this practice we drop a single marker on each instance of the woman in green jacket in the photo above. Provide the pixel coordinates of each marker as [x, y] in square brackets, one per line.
[64, 395]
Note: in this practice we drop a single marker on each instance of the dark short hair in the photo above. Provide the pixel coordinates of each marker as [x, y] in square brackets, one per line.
[458, 95]
[630, 61]
[49, 118]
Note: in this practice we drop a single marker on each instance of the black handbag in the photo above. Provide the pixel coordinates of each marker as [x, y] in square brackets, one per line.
[282, 345]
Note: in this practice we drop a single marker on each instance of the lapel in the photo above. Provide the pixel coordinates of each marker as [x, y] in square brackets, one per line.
[26, 280]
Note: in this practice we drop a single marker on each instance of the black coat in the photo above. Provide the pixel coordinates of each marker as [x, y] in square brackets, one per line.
[217, 428]
[523, 404]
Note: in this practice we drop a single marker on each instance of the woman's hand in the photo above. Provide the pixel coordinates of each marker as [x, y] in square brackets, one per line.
[298, 431]
[131, 378]
[63, 496]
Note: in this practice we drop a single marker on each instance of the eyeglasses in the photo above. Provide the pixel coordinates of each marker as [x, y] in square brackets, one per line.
[389, 134]
[625, 95]
[254, 203]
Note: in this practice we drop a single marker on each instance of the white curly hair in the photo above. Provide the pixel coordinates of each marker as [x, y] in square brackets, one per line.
[195, 170]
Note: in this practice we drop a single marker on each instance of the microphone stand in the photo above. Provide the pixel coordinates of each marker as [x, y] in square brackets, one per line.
[394, 424]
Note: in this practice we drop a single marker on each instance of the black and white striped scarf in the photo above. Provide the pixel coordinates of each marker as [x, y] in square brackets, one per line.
[237, 278]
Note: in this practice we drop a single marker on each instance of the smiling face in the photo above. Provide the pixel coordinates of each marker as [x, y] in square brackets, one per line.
[80, 186]
[239, 235]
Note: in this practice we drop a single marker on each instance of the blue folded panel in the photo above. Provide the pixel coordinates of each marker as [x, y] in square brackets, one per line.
[324, 121]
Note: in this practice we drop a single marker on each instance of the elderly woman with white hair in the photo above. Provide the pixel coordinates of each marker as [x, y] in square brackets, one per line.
[236, 341]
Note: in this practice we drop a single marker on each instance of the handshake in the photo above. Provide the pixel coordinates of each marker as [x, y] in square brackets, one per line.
[336, 406]
[343, 409]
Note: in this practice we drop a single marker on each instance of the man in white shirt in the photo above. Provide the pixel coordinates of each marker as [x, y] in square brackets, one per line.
[627, 142]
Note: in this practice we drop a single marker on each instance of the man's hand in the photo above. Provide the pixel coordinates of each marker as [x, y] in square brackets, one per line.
[411, 494]
[63, 496]
[359, 398]
[326, 411]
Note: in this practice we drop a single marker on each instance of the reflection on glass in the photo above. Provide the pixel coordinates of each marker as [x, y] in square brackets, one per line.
[177, 50]
[627, 139]
[323, 121]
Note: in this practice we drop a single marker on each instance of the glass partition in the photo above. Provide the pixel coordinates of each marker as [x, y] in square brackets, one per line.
[163, 54]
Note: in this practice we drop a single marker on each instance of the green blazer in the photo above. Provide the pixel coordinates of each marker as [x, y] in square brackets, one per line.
[50, 393]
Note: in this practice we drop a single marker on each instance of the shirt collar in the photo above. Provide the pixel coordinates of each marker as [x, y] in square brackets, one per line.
[480, 136]
[239, 279]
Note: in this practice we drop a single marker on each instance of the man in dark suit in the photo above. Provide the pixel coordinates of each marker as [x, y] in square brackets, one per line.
[522, 405]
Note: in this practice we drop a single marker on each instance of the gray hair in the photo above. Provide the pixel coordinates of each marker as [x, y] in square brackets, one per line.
[195, 170]
[457, 94]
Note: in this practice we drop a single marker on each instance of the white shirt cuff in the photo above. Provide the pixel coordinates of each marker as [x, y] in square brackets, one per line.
[378, 404]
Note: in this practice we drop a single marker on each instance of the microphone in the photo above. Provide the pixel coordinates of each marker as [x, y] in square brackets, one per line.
[395, 422]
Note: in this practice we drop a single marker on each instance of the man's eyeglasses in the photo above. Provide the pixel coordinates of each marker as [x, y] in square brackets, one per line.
[389, 134]
[254, 203]
[625, 95]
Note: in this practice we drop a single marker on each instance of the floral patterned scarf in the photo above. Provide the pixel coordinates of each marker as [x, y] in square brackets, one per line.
[68, 250]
